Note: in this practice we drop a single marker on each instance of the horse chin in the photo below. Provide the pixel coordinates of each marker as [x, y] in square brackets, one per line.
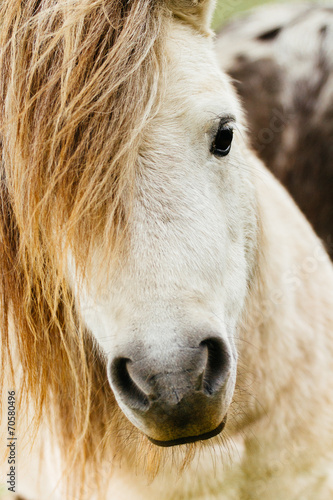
[190, 439]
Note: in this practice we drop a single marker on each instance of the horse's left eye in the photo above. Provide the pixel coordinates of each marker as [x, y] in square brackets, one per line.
[222, 143]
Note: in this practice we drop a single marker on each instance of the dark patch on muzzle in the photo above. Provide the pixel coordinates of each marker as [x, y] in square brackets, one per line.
[178, 395]
[190, 439]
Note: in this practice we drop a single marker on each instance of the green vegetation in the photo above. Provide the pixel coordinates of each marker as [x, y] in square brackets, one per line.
[225, 9]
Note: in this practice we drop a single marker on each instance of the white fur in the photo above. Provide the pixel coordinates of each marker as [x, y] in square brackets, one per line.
[193, 228]
[201, 226]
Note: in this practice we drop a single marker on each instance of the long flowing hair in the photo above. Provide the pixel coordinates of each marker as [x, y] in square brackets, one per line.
[78, 83]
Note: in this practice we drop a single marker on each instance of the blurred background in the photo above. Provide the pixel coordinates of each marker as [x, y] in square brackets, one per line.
[225, 9]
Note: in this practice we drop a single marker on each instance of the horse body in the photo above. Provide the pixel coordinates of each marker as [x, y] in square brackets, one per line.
[217, 311]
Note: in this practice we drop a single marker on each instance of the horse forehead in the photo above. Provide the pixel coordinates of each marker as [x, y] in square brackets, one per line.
[192, 71]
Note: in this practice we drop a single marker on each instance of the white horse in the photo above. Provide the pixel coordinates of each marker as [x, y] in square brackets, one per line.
[212, 322]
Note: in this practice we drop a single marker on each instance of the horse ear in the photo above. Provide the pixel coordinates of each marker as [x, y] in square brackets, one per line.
[196, 12]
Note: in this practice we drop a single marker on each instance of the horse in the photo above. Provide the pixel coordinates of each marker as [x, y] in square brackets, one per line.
[166, 309]
[286, 88]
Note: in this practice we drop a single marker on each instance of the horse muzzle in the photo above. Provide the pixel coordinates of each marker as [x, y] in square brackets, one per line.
[174, 397]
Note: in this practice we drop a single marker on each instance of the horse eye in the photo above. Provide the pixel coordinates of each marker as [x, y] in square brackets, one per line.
[222, 143]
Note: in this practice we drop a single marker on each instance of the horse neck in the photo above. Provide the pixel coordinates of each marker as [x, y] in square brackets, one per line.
[288, 320]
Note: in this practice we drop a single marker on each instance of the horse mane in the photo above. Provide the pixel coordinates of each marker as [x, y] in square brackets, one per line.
[78, 83]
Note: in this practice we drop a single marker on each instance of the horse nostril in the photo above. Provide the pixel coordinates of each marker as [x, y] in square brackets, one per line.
[177, 396]
[147, 387]
[218, 365]
[131, 394]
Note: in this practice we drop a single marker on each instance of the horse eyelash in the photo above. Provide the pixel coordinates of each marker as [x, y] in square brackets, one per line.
[226, 120]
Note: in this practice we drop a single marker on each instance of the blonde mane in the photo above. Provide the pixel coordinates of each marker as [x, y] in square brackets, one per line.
[78, 82]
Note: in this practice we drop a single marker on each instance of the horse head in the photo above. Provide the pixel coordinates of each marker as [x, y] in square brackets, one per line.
[165, 312]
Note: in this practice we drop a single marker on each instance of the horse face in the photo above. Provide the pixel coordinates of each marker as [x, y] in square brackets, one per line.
[167, 318]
